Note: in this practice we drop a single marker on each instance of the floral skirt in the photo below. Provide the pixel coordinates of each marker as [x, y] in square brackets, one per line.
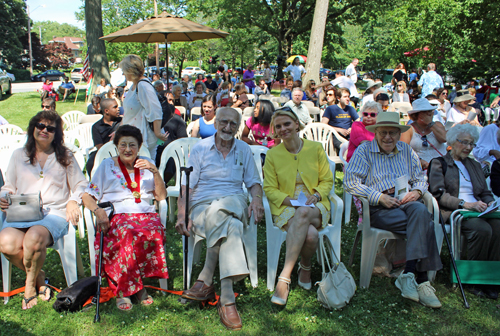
[133, 249]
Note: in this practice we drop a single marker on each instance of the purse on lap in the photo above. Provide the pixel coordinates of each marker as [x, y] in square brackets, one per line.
[337, 286]
[24, 208]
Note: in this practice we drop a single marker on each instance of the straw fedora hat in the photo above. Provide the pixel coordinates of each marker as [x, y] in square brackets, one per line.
[463, 95]
[420, 105]
[388, 119]
[371, 83]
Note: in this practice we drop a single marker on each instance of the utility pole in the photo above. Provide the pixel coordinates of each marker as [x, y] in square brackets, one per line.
[157, 50]
[29, 41]
[316, 41]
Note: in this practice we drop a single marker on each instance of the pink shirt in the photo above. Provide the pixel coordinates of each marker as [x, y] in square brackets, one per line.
[259, 132]
[47, 87]
[358, 134]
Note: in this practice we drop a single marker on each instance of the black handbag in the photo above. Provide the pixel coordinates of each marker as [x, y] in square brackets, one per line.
[74, 297]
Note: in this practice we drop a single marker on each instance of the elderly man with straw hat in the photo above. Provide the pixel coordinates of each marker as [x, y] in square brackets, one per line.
[381, 171]
[461, 110]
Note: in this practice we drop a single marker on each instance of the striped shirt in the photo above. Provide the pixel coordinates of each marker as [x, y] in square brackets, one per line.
[370, 172]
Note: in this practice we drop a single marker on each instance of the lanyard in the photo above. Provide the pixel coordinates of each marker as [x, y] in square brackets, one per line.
[135, 186]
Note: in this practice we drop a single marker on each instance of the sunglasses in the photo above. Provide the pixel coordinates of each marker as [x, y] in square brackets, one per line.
[385, 108]
[41, 127]
[425, 143]
[46, 106]
[444, 93]
[330, 94]
[370, 114]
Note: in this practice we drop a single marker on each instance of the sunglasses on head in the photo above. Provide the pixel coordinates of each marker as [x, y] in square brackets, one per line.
[370, 114]
[41, 127]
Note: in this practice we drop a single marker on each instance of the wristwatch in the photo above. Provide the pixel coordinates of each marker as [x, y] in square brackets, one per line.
[317, 196]
[461, 204]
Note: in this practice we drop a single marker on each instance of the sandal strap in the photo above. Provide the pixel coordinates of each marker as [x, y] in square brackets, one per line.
[305, 268]
[28, 300]
[285, 280]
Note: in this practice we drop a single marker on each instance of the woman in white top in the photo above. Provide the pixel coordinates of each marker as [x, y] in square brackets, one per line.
[134, 238]
[444, 104]
[102, 88]
[296, 70]
[426, 137]
[44, 165]
[461, 109]
[141, 106]
[400, 95]
[197, 96]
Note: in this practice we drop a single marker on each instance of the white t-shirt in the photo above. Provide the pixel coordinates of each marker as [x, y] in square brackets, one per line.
[455, 115]
[351, 73]
[465, 191]
[344, 82]
[296, 71]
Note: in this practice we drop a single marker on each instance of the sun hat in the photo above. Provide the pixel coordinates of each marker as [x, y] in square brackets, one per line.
[388, 119]
[420, 105]
[434, 102]
[463, 95]
[371, 83]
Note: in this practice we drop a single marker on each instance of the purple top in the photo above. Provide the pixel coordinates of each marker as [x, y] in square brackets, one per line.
[249, 75]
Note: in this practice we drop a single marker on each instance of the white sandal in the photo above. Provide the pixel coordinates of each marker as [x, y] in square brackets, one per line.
[305, 285]
[277, 300]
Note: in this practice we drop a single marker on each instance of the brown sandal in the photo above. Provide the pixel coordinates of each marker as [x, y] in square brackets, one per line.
[28, 300]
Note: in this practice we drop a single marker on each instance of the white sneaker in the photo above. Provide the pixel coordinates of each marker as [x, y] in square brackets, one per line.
[408, 286]
[427, 296]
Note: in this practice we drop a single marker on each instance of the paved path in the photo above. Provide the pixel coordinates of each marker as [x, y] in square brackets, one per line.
[33, 86]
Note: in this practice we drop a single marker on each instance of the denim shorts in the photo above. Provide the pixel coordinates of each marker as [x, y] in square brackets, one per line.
[57, 226]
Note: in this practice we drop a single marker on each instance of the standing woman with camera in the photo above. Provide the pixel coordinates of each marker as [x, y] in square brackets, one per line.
[141, 106]
[44, 168]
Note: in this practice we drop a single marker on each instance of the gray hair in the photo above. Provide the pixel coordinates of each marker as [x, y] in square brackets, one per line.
[157, 83]
[297, 88]
[455, 131]
[371, 105]
[219, 110]
[177, 87]
[189, 77]
[202, 85]
[132, 65]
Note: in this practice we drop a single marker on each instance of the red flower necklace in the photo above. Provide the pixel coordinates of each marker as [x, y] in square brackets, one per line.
[135, 186]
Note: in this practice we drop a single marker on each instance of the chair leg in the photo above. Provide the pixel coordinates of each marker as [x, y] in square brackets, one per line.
[353, 250]
[79, 263]
[6, 277]
[347, 198]
[368, 255]
[273, 256]
[250, 243]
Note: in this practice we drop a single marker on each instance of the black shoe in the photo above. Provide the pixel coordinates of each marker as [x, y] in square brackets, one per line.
[476, 290]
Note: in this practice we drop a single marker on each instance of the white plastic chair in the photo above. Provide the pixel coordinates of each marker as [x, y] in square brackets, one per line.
[346, 197]
[8, 142]
[195, 111]
[83, 133]
[182, 110]
[249, 233]
[90, 118]
[10, 129]
[308, 103]
[314, 111]
[240, 111]
[275, 237]
[251, 97]
[248, 111]
[66, 246]
[266, 97]
[189, 128]
[71, 119]
[323, 133]
[372, 237]
[178, 150]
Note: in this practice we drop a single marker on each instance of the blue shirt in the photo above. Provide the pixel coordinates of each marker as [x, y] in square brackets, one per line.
[413, 76]
[430, 81]
[67, 85]
[342, 118]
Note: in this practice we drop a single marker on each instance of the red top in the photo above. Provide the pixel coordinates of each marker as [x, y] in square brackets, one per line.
[358, 133]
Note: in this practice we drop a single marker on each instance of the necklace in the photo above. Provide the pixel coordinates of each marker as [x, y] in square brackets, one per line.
[298, 150]
[463, 175]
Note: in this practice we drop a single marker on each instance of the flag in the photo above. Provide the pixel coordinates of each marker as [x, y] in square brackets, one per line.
[89, 85]
[85, 71]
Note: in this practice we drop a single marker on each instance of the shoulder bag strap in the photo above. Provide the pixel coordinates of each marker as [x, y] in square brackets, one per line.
[430, 143]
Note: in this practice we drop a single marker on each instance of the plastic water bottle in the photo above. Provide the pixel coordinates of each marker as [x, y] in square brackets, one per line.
[264, 141]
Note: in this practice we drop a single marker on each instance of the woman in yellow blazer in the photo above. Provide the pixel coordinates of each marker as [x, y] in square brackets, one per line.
[294, 166]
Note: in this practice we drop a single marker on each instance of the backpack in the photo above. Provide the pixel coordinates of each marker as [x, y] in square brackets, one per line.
[166, 108]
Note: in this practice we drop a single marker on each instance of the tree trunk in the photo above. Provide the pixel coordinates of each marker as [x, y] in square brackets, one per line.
[97, 48]
[316, 41]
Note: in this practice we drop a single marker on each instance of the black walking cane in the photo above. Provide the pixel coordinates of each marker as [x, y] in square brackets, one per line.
[96, 298]
[187, 171]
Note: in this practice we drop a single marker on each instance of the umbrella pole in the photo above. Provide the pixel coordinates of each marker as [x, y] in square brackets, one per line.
[166, 53]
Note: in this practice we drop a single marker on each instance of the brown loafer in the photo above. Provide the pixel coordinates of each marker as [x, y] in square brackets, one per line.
[200, 292]
[229, 316]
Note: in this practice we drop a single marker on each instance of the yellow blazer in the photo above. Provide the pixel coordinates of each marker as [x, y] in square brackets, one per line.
[281, 168]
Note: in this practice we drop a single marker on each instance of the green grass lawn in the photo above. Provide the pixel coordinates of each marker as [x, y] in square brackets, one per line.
[379, 310]
[18, 108]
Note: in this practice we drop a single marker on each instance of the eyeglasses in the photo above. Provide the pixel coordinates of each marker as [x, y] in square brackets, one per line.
[41, 127]
[467, 143]
[313, 83]
[370, 114]
[425, 143]
[392, 134]
[385, 107]
[225, 122]
[46, 107]
[444, 93]
[330, 94]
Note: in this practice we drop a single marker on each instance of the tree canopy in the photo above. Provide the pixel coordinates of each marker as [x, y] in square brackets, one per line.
[13, 25]
[51, 28]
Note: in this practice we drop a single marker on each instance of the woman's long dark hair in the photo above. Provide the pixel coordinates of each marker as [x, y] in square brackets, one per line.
[62, 153]
[266, 111]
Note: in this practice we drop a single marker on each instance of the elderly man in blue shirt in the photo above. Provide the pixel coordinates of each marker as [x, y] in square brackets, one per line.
[219, 212]
[66, 88]
[372, 173]
[430, 80]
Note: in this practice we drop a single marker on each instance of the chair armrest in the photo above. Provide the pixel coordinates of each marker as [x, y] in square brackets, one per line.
[81, 226]
[366, 213]
[337, 206]
[163, 211]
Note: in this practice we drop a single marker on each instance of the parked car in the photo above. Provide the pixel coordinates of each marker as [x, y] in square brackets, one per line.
[77, 75]
[5, 83]
[192, 71]
[11, 76]
[324, 72]
[53, 75]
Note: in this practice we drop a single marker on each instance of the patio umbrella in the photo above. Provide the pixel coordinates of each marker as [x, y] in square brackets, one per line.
[165, 28]
[302, 58]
